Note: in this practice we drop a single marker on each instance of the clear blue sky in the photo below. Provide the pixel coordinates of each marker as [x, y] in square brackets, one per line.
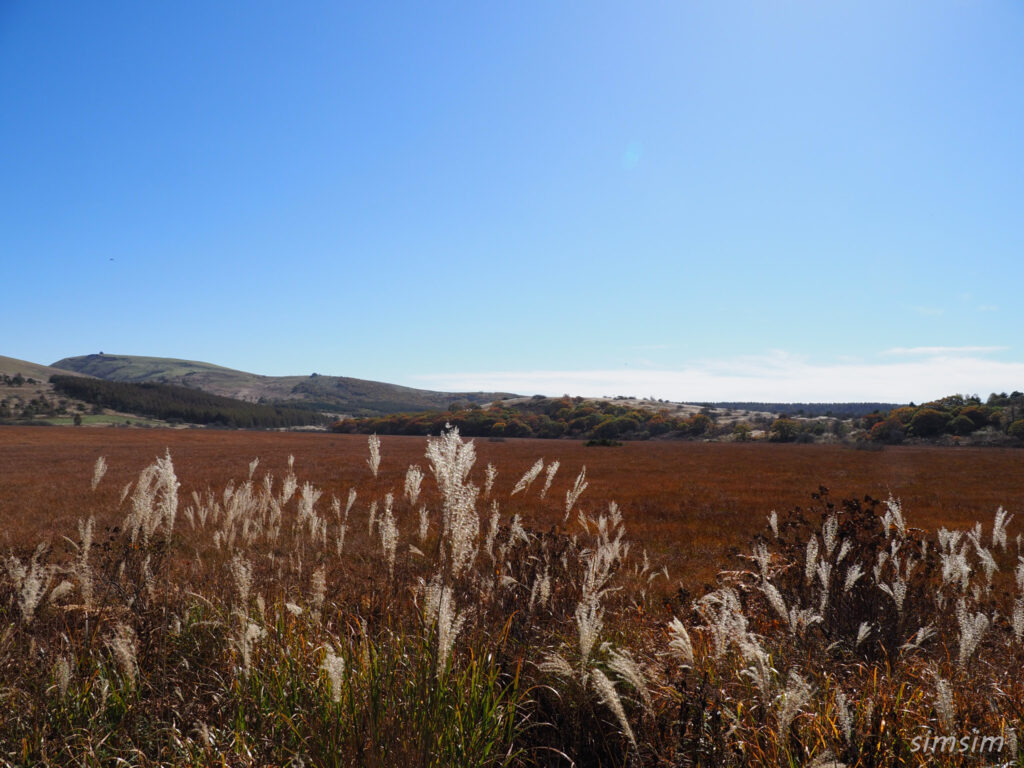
[718, 200]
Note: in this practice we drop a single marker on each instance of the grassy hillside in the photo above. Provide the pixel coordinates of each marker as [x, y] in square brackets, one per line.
[336, 394]
[180, 404]
[26, 394]
[11, 366]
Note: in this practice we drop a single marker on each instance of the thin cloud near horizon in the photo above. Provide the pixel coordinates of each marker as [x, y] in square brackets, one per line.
[940, 351]
[765, 379]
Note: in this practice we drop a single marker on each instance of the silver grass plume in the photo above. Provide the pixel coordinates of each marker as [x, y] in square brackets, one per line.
[853, 573]
[763, 558]
[589, 622]
[549, 476]
[489, 477]
[622, 663]
[81, 568]
[944, 705]
[609, 696]
[61, 590]
[972, 629]
[680, 641]
[796, 696]
[843, 715]
[122, 644]
[451, 460]
[492, 530]
[252, 467]
[1003, 519]
[98, 471]
[555, 663]
[988, 563]
[318, 587]
[249, 635]
[614, 513]
[288, 488]
[30, 581]
[154, 501]
[829, 533]
[413, 480]
[726, 622]
[544, 590]
[775, 600]
[921, 636]
[574, 493]
[424, 524]
[516, 532]
[374, 461]
[62, 674]
[389, 533]
[333, 666]
[449, 624]
[862, 632]
[527, 479]
[241, 573]
[893, 517]
[844, 550]
[897, 591]
[371, 517]
[773, 523]
[811, 559]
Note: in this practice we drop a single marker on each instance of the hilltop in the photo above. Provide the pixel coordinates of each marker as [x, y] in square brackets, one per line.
[331, 394]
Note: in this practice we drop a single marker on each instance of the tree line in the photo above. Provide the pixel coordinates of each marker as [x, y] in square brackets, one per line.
[182, 404]
[541, 417]
[956, 415]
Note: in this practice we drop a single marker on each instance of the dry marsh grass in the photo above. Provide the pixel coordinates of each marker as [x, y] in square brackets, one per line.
[441, 602]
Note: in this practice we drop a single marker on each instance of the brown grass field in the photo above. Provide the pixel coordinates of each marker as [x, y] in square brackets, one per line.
[687, 503]
[255, 623]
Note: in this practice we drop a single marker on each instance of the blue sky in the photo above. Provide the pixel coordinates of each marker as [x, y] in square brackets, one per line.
[719, 200]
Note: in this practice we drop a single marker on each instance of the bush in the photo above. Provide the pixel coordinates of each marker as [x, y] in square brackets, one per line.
[1016, 429]
[784, 430]
[962, 425]
[889, 431]
[928, 422]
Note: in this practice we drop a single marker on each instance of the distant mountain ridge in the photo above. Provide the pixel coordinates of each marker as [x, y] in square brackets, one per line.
[333, 394]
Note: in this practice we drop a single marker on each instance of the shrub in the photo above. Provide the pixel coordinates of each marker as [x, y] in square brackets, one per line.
[889, 431]
[1016, 429]
[962, 425]
[784, 430]
[928, 422]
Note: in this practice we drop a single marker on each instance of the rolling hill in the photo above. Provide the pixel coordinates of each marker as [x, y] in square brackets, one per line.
[332, 394]
[11, 366]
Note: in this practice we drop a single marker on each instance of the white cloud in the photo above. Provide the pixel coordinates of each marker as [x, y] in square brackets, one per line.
[941, 351]
[777, 377]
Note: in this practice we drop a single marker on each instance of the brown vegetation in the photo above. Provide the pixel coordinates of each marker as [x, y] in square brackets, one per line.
[688, 503]
[343, 608]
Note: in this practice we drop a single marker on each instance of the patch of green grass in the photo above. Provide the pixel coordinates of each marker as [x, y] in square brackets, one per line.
[103, 419]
